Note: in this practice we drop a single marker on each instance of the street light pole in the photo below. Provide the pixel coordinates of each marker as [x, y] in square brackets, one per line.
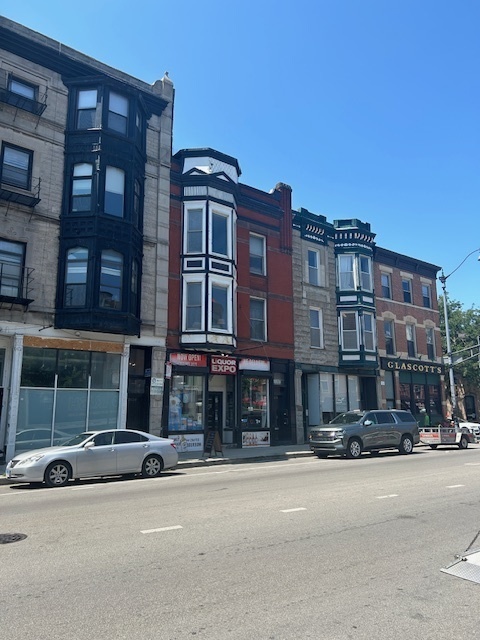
[443, 280]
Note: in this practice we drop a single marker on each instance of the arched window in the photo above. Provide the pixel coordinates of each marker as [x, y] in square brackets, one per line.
[76, 277]
[111, 277]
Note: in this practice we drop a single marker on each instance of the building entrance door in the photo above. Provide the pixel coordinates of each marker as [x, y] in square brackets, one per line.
[215, 411]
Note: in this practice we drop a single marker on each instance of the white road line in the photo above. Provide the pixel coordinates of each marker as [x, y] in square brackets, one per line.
[472, 464]
[454, 486]
[177, 526]
[292, 510]
[391, 495]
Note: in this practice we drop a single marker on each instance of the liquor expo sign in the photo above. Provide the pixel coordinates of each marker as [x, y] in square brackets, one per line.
[223, 365]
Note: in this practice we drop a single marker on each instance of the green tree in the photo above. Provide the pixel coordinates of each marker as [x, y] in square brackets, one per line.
[464, 341]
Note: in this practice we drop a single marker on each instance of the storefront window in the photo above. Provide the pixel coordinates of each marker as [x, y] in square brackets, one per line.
[186, 403]
[389, 390]
[341, 404]
[254, 403]
[353, 393]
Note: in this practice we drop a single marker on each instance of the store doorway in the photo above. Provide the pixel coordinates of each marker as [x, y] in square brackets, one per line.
[215, 411]
[281, 432]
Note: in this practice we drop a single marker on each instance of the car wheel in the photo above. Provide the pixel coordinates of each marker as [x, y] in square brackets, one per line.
[152, 467]
[463, 444]
[57, 474]
[354, 448]
[433, 446]
[322, 455]
[406, 445]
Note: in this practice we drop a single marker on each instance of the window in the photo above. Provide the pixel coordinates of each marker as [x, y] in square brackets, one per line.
[76, 277]
[22, 88]
[365, 273]
[257, 319]
[346, 272]
[111, 276]
[193, 306]
[194, 231]
[316, 328]
[123, 436]
[316, 267]
[427, 296]
[220, 307]
[12, 257]
[368, 332]
[220, 242]
[86, 108]
[411, 348]
[137, 203]
[430, 333]
[407, 290]
[118, 113]
[16, 167]
[114, 191]
[386, 285]
[82, 187]
[348, 330]
[257, 254]
[134, 288]
[389, 337]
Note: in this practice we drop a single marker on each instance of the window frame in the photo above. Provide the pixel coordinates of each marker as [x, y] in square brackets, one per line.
[430, 341]
[24, 83]
[112, 115]
[24, 185]
[386, 288]
[389, 340]
[343, 331]
[316, 328]
[426, 295]
[81, 111]
[17, 288]
[315, 273]
[407, 291]
[187, 281]
[76, 180]
[412, 341]
[226, 213]
[189, 208]
[260, 257]
[342, 273]
[109, 170]
[226, 285]
[76, 263]
[108, 260]
[365, 276]
[263, 320]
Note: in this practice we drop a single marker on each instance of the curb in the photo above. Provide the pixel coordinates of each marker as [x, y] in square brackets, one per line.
[212, 462]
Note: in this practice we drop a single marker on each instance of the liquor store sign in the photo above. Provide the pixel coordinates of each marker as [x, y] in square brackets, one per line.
[223, 365]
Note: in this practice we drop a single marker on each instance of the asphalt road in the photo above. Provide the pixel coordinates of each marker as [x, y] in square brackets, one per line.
[306, 548]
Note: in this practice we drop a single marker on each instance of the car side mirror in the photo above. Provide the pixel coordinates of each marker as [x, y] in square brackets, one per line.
[367, 423]
[89, 445]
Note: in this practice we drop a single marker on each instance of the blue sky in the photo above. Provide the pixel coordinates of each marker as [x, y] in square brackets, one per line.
[369, 109]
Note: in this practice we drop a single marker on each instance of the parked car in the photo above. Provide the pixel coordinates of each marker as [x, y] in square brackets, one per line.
[352, 432]
[95, 454]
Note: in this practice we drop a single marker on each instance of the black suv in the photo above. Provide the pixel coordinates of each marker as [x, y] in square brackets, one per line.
[356, 431]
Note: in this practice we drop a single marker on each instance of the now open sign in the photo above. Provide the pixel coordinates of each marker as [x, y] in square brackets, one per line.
[223, 365]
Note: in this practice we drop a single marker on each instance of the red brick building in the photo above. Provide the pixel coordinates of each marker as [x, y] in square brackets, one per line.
[230, 355]
[408, 335]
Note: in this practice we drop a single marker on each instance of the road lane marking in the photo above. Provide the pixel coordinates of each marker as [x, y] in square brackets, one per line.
[177, 526]
[390, 495]
[292, 510]
[472, 464]
[454, 486]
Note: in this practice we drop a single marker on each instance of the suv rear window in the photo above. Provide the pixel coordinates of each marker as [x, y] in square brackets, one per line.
[385, 417]
[404, 416]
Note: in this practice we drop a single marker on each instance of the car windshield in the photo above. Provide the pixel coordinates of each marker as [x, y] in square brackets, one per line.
[78, 439]
[346, 418]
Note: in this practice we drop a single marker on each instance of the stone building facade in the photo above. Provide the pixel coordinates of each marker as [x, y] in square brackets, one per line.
[84, 195]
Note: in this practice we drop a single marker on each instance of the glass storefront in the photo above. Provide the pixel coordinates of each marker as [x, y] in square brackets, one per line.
[185, 412]
[64, 392]
[254, 404]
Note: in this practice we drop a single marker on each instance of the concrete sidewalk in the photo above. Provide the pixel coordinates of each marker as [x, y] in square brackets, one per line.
[229, 456]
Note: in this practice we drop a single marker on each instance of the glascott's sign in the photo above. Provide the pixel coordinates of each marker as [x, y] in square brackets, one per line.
[393, 364]
[223, 365]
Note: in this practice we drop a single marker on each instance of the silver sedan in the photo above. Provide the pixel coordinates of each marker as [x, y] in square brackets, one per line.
[95, 454]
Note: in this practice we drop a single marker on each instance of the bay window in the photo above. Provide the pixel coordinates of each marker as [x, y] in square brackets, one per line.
[111, 277]
[349, 330]
[76, 277]
[346, 273]
[114, 191]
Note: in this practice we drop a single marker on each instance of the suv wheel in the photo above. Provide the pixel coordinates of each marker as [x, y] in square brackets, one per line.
[354, 448]
[406, 445]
